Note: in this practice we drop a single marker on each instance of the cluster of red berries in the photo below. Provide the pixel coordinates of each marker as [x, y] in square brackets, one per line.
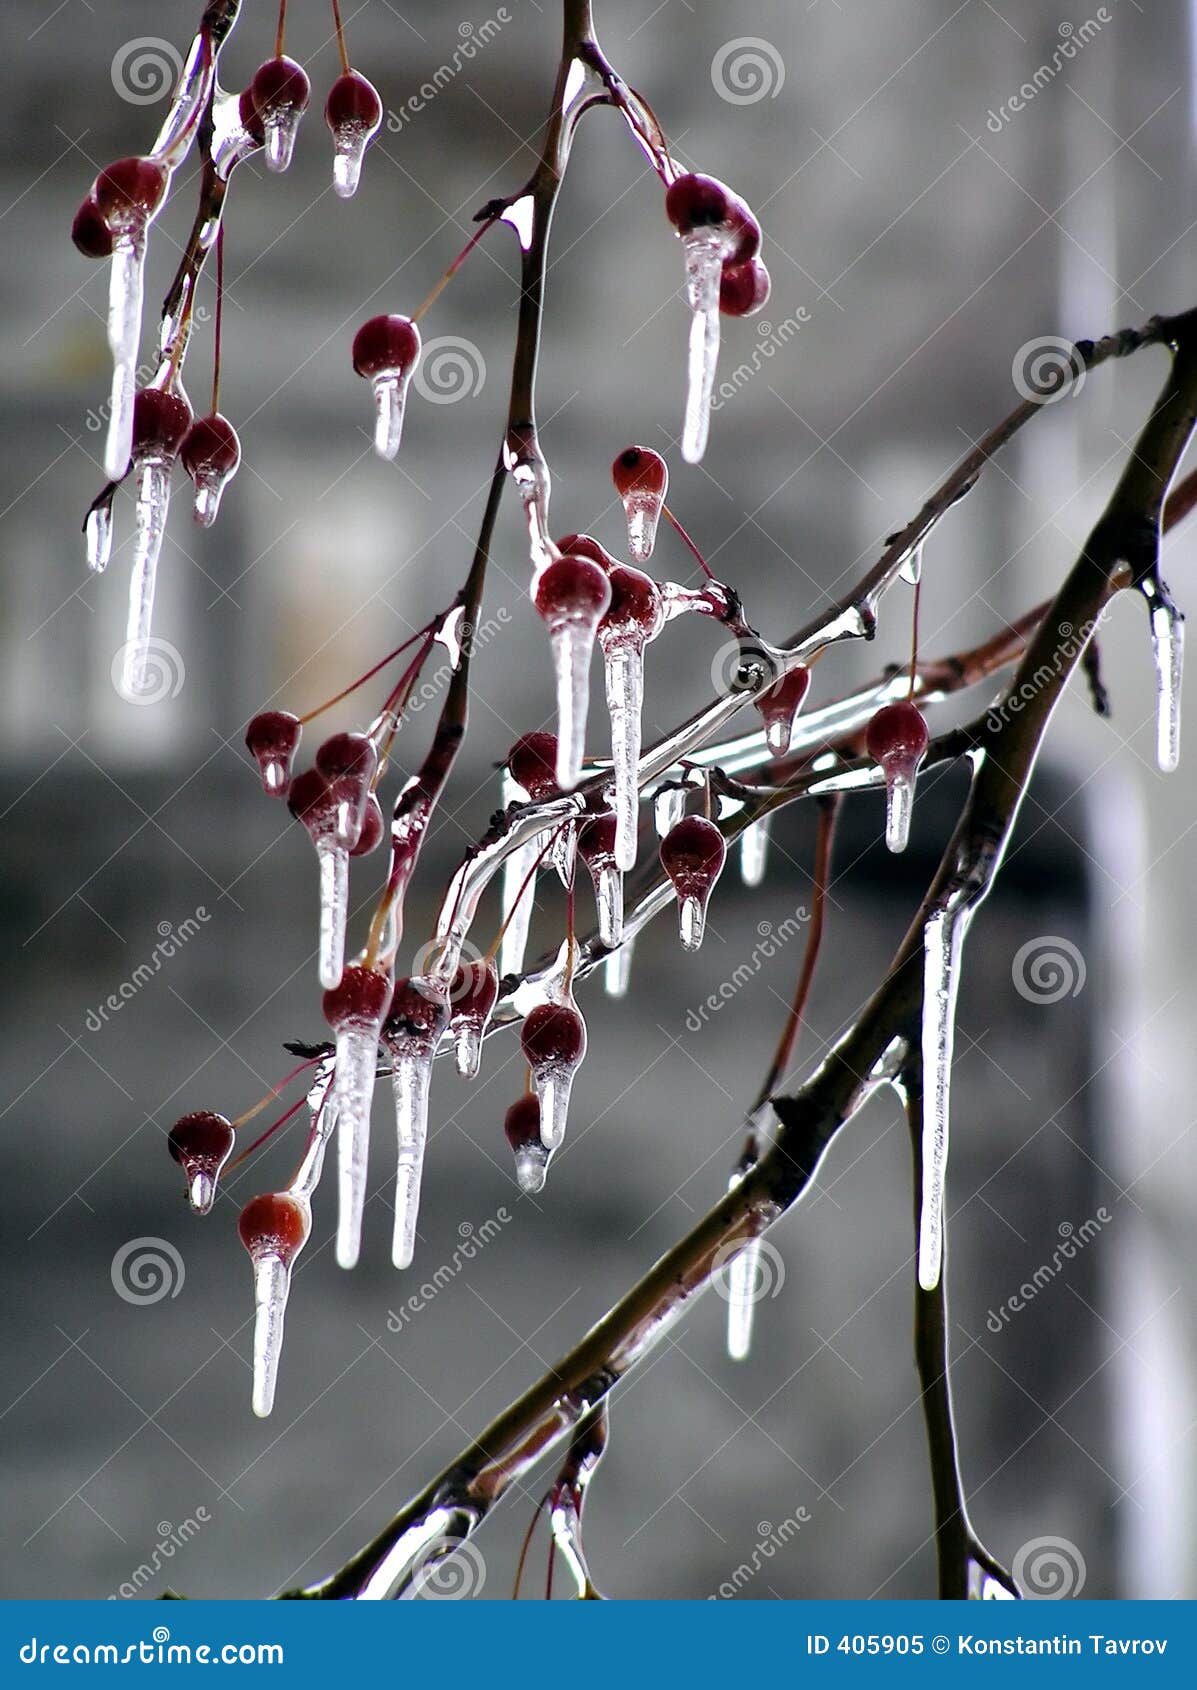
[694, 201]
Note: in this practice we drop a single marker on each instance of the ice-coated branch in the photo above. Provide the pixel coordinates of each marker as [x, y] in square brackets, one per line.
[879, 1044]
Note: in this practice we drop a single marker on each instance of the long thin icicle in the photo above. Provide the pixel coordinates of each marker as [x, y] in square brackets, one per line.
[126, 291]
[153, 500]
[705, 250]
[410, 1081]
[98, 532]
[617, 969]
[1168, 649]
[943, 939]
[517, 866]
[754, 850]
[357, 1056]
[333, 860]
[624, 664]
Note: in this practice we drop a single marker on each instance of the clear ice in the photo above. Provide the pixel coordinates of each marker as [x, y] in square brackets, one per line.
[410, 1080]
[554, 1082]
[742, 1275]
[573, 643]
[390, 395]
[608, 897]
[705, 250]
[617, 969]
[624, 664]
[333, 859]
[125, 294]
[943, 940]
[517, 866]
[349, 149]
[1168, 649]
[643, 511]
[353, 1093]
[911, 566]
[754, 851]
[153, 501]
[900, 780]
[531, 1168]
[281, 125]
[272, 1286]
[98, 534]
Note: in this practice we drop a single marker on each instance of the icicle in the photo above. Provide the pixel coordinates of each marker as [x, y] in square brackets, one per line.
[617, 969]
[323, 1114]
[390, 393]
[534, 485]
[98, 533]
[281, 126]
[899, 806]
[125, 294]
[897, 739]
[562, 853]
[705, 251]
[643, 511]
[119, 441]
[608, 894]
[742, 1275]
[572, 645]
[357, 1055]
[669, 806]
[153, 499]
[553, 1038]
[274, 1229]
[521, 1128]
[911, 566]
[473, 994]
[1168, 649]
[692, 854]
[516, 868]
[754, 850]
[943, 938]
[531, 1168]
[333, 859]
[349, 151]
[410, 1082]
[624, 664]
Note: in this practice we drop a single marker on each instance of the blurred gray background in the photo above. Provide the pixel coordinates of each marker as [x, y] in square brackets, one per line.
[921, 234]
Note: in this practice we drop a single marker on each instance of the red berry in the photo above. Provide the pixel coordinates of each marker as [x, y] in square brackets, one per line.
[583, 545]
[694, 201]
[532, 761]
[210, 447]
[278, 84]
[897, 734]
[272, 737]
[161, 420]
[201, 1144]
[572, 589]
[780, 704]
[352, 100]
[129, 192]
[475, 989]
[636, 611]
[522, 1122]
[384, 345]
[417, 1013]
[347, 754]
[372, 830]
[90, 232]
[248, 113]
[746, 232]
[553, 1034]
[638, 469]
[596, 841]
[312, 802]
[361, 998]
[743, 288]
[275, 1224]
[692, 855]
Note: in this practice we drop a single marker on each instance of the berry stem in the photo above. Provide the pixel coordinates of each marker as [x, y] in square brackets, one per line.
[280, 33]
[706, 568]
[454, 268]
[340, 28]
[526, 1545]
[493, 949]
[274, 1092]
[219, 322]
[390, 657]
[914, 638]
[269, 1133]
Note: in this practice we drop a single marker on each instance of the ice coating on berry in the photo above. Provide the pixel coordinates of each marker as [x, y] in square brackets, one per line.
[897, 739]
[692, 854]
[596, 847]
[532, 761]
[385, 352]
[353, 112]
[779, 706]
[372, 829]
[641, 478]
[521, 1127]
[272, 737]
[695, 201]
[161, 420]
[211, 454]
[413, 1030]
[313, 801]
[279, 93]
[473, 994]
[127, 194]
[585, 545]
[553, 1038]
[572, 594]
[273, 1228]
[201, 1143]
[348, 762]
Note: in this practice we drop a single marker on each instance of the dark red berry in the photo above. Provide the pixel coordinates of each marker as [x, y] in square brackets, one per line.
[161, 420]
[572, 589]
[278, 84]
[552, 1034]
[694, 201]
[692, 855]
[417, 1013]
[746, 232]
[743, 288]
[638, 469]
[90, 232]
[272, 737]
[636, 611]
[362, 997]
[372, 829]
[385, 344]
[521, 1124]
[311, 801]
[210, 447]
[780, 704]
[532, 761]
[275, 1224]
[347, 754]
[583, 545]
[353, 100]
[475, 989]
[596, 841]
[897, 734]
[129, 192]
[202, 1137]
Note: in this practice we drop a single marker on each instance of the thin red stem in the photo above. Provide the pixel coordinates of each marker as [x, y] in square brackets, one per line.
[914, 637]
[269, 1133]
[336, 11]
[280, 33]
[453, 268]
[217, 326]
[527, 1544]
[274, 1091]
[390, 657]
[706, 568]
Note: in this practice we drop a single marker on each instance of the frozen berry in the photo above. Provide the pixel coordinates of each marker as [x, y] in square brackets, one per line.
[272, 737]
